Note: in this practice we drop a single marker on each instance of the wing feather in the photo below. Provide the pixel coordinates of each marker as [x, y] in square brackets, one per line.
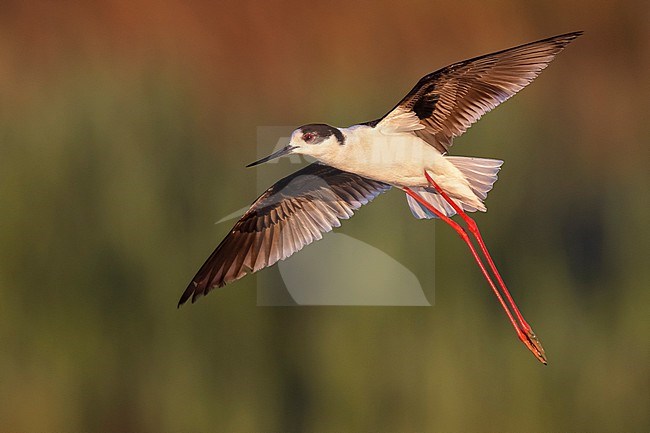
[447, 102]
[291, 214]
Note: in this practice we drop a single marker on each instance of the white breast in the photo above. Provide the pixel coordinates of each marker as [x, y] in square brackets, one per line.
[398, 159]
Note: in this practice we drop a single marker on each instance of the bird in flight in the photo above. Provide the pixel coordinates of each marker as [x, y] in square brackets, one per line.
[407, 148]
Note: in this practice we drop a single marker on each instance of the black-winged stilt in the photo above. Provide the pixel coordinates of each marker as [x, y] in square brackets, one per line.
[407, 148]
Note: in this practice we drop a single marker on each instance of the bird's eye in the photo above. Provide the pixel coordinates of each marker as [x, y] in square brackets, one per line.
[308, 137]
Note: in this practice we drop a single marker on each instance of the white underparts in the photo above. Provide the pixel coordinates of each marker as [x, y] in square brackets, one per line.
[480, 174]
[400, 158]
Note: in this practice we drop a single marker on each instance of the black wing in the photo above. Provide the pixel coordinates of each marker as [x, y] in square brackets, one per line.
[447, 102]
[291, 214]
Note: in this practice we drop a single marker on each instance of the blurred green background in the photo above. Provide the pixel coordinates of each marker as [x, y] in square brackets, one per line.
[124, 130]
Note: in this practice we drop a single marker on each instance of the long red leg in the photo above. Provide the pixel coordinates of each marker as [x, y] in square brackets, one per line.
[473, 227]
[529, 338]
[522, 328]
[463, 235]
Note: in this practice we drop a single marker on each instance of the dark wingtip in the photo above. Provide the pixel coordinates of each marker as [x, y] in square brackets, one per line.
[575, 34]
[568, 37]
[559, 40]
[191, 288]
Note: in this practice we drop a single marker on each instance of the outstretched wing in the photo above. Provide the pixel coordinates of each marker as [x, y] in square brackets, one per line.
[445, 103]
[289, 215]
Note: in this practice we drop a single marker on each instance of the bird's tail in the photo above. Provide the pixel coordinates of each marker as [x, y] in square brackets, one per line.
[481, 173]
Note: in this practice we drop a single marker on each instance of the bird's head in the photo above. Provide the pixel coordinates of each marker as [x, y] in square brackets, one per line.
[316, 140]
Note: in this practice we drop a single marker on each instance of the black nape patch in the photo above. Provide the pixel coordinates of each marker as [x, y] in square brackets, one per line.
[323, 131]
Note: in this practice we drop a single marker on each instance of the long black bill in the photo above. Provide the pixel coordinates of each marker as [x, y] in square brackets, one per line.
[284, 151]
